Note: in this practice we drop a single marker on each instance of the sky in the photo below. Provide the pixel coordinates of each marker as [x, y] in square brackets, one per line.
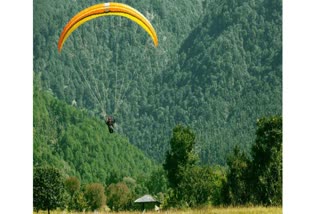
[301, 105]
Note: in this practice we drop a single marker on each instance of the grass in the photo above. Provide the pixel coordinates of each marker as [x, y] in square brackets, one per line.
[209, 210]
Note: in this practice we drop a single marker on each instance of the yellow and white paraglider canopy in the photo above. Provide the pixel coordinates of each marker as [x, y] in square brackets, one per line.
[106, 9]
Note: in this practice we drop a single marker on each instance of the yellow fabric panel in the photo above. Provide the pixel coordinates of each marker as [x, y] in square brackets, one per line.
[98, 8]
[118, 7]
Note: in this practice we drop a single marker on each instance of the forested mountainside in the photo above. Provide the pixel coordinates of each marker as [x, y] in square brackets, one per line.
[218, 68]
[80, 145]
[229, 74]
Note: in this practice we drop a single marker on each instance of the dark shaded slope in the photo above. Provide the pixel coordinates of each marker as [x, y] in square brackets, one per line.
[229, 74]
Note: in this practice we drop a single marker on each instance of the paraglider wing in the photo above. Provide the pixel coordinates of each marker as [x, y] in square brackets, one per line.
[106, 9]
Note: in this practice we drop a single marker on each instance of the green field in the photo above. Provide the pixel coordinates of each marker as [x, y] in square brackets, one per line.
[212, 210]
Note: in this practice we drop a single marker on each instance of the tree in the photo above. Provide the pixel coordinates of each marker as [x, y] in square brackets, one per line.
[179, 160]
[72, 185]
[235, 189]
[157, 182]
[48, 188]
[201, 185]
[257, 180]
[94, 195]
[119, 196]
[181, 156]
[76, 201]
[266, 165]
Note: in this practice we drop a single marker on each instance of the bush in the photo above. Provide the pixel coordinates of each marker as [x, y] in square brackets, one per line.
[119, 196]
[94, 195]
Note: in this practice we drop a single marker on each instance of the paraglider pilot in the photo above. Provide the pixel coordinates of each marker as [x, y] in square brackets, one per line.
[110, 122]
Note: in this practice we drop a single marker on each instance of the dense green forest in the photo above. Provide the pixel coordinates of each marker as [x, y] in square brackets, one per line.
[181, 182]
[218, 68]
[71, 140]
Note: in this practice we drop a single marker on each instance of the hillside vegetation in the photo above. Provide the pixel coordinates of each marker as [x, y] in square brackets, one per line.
[80, 145]
[218, 68]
